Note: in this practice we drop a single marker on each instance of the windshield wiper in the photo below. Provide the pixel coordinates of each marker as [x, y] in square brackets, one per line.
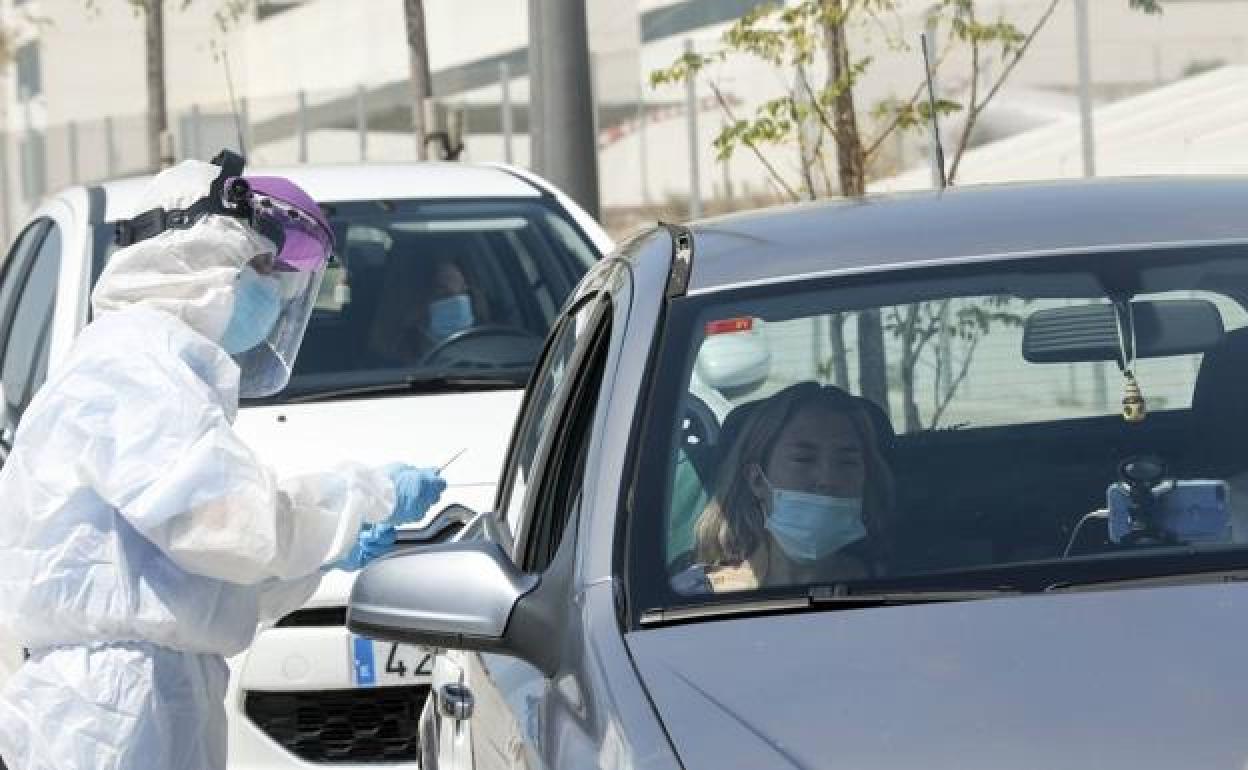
[408, 385]
[842, 595]
[1110, 583]
[819, 597]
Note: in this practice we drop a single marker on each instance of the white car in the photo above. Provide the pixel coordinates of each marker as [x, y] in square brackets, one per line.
[368, 386]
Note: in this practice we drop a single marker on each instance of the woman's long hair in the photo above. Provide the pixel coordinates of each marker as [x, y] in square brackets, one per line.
[731, 526]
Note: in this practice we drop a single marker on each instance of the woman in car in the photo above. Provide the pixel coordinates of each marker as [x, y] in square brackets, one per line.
[803, 495]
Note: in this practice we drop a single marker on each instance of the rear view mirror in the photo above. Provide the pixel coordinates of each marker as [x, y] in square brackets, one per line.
[1090, 333]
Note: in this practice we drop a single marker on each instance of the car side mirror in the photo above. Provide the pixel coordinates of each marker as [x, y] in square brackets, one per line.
[464, 595]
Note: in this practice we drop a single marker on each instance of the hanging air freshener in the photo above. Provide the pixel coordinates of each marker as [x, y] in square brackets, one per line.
[1133, 407]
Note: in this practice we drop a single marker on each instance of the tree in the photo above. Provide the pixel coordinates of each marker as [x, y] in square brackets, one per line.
[414, 13]
[822, 125]
[226, 13]
[154, 51]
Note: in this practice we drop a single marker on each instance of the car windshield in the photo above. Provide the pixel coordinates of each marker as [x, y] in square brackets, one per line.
[1028, 425]
[432, 295]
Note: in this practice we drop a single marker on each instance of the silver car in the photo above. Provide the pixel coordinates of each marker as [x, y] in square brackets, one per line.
[985, 508]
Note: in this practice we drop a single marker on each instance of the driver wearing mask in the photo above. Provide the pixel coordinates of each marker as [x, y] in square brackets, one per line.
[445, 305]
[452, 306]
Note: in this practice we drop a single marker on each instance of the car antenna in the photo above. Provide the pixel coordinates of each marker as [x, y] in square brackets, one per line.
[229, 85]
[937, 147]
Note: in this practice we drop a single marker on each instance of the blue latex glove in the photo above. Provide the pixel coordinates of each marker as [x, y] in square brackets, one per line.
[375, 540]
[415, 491]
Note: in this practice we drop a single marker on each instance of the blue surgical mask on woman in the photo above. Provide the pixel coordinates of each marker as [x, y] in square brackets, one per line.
[257, 305]
[450, 315]
[810, 527]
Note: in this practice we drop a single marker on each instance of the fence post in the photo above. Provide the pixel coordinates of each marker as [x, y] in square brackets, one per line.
[691, 107]
[72, 137]
[361, 122]
[504, 79]
[301, 126]
[642, 150]
[110, 147]
[244, 130]
[196, 143]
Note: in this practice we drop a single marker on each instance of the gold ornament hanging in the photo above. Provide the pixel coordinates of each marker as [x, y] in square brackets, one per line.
[1133, 406]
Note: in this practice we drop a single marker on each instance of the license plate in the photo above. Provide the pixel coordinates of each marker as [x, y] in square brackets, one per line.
[376, 663]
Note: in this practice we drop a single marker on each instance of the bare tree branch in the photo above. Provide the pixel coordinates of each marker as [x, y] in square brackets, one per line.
[771, 170]
[814, 102]
[971, 113]
[974, 110]
[957, 382]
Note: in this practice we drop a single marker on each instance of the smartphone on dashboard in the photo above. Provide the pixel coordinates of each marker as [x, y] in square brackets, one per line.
[1192, 510]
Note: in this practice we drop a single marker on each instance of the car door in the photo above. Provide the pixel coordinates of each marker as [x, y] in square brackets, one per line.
[28, 281]
[487, 705]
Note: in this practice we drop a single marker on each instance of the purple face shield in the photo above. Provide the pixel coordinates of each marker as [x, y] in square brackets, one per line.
[287, 216]
[283, 213]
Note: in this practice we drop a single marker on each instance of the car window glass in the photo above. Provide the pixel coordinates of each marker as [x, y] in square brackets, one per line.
[13, 273]
[564, 470]
[980, 453]
[27, 342]
[544, 395]
[945, 377]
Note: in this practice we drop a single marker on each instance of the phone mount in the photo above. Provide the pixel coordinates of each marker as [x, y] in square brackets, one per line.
[1142, 475]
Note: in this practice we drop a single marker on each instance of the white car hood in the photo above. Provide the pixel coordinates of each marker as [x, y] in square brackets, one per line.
[424, 430]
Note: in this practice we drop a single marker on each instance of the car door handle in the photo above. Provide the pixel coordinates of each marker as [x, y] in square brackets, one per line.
[455, 702]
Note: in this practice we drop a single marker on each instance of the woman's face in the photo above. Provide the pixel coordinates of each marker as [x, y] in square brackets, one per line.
[817, 452]
[448, 281]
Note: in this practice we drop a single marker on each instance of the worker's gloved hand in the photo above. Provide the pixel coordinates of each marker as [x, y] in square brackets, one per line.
[415, 491]
[374, 541]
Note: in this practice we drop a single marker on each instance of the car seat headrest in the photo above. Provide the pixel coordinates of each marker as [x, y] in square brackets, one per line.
[1220, 400]
[884, 432]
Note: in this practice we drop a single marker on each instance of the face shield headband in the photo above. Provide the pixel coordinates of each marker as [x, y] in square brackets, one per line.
[273, 207]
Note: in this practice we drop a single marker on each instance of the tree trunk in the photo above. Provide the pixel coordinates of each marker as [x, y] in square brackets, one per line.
[419, 72]
[840, 358]
[912, 421]
[157, 112]
[850, 154]
[852, 171]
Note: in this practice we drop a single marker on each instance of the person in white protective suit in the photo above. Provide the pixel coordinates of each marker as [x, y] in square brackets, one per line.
[141, 541]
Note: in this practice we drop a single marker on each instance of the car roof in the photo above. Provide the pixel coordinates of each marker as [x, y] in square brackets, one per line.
[965, 224]
[340, 183]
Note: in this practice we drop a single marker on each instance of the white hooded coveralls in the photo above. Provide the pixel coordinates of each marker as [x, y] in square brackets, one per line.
[140, 539]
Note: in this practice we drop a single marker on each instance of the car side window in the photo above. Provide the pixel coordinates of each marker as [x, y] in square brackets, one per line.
[544, 395]
[559, 490]
[26, 347]
[13, 272]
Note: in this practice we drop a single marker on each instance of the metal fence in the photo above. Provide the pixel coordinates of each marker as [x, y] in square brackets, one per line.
[643, 167]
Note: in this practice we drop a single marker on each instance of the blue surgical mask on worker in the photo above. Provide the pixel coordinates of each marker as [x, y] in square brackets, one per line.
[450, 315]
[809, 527]
[257, 305]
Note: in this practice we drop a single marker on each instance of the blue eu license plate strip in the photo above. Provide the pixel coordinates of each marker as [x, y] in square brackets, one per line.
[364, 664]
